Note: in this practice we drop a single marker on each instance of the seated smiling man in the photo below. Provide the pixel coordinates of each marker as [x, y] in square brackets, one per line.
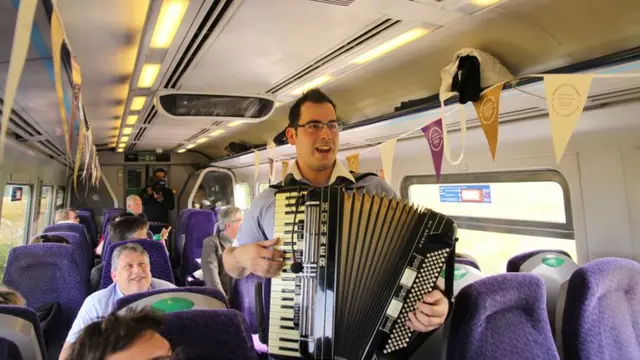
[131, 274]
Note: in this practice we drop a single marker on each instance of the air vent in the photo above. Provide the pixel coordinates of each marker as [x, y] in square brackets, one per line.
[197, 135]
[131, 147]
[139, 134]
[150, 115]
[336, 2]
[617, 95]
[20, 124]
[52, 149]
[367, 35]
[208, 24]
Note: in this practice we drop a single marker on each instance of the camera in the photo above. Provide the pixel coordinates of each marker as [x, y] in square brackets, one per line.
[157, 186]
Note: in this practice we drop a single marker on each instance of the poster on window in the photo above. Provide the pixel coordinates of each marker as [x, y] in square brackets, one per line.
[16, 193]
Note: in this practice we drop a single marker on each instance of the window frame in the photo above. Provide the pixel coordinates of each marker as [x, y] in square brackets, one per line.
[507, 226]
[51, 207]
[26, 231]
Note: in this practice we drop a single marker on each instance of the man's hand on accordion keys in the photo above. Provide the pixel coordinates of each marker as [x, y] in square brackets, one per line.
[258, 259]
[430, 312]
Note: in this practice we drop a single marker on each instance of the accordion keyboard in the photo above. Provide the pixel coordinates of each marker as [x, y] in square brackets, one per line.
[284, 338]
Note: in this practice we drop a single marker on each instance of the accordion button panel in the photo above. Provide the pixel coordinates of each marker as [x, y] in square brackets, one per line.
[284, 336]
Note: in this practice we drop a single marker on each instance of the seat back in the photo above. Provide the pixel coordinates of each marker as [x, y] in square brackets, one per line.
[554, 268]
[44, 274]
[108, 216]
[598, 315]
[463, 275]
[158, 258]
[181, 231]
[468, 262]
[83, 254]
[78, 229]
[225, 331]
[514, 264]
[176, 299]
[501, 317]
[20, 326]
[243, 299]
[107, 241]
[199, 226]
[86, 219]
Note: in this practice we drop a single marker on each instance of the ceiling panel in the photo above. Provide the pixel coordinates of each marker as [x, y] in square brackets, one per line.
[265, 41]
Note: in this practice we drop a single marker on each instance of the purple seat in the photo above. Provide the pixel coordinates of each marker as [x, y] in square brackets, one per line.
[199, 225]
[44, 274]
[82, 253]
[76, 229]
[181, 231]
[468, 263]
[86, 219]
[243, 299]
[601, 315]
[209, 334]
[501, 317]
[179, 292]
[107, 241]
[20, 334]
[513, 265]
[158, 258]
[108, 216]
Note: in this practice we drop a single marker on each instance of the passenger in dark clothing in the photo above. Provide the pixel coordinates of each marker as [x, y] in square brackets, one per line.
[157, 201]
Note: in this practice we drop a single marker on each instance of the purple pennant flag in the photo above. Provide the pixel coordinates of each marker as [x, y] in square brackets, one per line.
[433, 133]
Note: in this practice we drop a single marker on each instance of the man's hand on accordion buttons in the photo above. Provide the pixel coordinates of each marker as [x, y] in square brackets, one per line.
[258, 259]
[430, 312]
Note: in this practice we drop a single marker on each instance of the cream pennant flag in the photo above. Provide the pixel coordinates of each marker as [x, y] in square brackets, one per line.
[488, 109]
[256, 164]
[445, 133]
[285, 168]
[353, 161]
[386, 152]
[566, 97]
[272, 170]
[19, 51]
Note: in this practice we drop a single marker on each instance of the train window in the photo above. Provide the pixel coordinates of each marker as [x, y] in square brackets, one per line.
[216, 188]
[44, 208]
[59, 197]
[261, 187]
[14, 227]
[500, 215]
[243, 196]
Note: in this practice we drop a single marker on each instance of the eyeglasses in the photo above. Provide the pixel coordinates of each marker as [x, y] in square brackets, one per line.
[316, 126]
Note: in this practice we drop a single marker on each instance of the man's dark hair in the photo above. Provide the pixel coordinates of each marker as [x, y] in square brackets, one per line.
[315, 96]
[160, 170]
[126, 227]
[47, 238]
[114, 333]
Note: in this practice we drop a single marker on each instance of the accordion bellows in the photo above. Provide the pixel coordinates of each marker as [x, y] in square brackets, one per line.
[365, 261]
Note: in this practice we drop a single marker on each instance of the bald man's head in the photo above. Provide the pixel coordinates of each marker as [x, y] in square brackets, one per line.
[134, 204]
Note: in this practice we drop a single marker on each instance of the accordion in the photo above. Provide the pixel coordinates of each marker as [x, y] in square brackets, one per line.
[355, 266]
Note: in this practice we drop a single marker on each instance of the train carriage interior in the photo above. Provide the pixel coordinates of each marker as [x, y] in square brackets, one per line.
[515, 120]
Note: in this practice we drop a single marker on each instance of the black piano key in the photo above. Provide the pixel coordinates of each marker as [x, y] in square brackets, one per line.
[286, 298]
[289, 307]
[288, 291]
[284, 318]
[287, 349]
[288, 327]
[289, 340]
[287, 278]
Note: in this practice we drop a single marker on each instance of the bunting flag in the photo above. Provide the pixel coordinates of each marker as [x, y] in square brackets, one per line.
[386, 152]
[285, 168]
[488, 109]
[57, 38]
[433, 133]
[76, 103]
[353, 161]
[272, 170]
[256, 163]
[79, 151]
[463, 134]
[19, 52]
[566, 97]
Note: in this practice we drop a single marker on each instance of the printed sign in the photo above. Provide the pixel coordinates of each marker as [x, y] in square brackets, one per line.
[16, 193]
[465, 194]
